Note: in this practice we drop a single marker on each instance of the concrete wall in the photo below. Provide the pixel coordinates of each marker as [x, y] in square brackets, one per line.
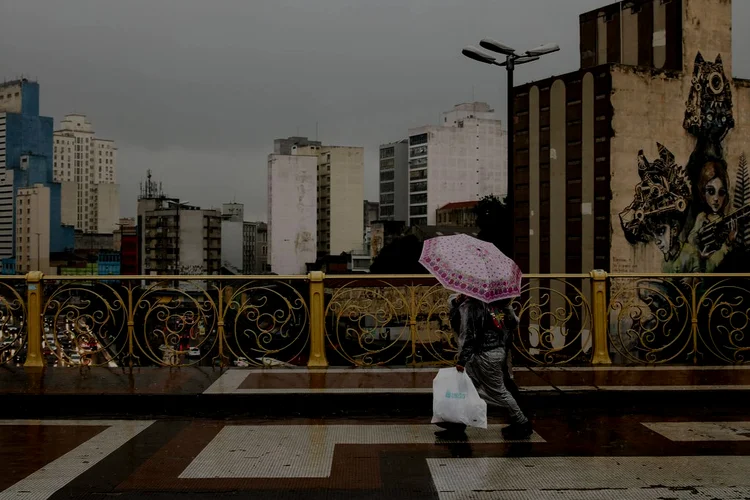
[347, 197]
[107, 207]
[192, 247]
[232, 244]
[292, 212]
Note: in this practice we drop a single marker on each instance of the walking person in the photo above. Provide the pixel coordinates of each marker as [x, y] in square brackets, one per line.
[486, 281]
[484, 341]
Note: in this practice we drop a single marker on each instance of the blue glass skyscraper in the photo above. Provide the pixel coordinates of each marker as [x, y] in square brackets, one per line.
[26, 156]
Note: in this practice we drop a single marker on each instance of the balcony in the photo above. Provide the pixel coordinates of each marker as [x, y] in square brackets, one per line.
[316, 320]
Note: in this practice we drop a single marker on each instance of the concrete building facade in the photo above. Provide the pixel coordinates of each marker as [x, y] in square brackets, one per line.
[176, 238]
[637, 162]
[462, 159]
[32, 229]
[340, 188]
[87, 167]
[232, 237]
[292, 212]
[255, 248]
[394, 181]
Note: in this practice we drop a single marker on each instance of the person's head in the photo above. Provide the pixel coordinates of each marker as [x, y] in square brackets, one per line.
[713, 186]
[664, 231]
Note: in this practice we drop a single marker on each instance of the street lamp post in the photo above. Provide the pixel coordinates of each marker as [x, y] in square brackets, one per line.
[512, 59]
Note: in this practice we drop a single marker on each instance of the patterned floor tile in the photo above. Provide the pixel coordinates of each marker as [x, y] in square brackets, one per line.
[621, 478]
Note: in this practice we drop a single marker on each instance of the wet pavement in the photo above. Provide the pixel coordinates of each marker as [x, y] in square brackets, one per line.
[588, 456]
[600, 433]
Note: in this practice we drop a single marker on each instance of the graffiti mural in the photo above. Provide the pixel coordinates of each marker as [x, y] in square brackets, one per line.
[687, 211]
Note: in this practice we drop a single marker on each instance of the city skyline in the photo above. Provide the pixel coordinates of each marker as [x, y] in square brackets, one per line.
[192, 85]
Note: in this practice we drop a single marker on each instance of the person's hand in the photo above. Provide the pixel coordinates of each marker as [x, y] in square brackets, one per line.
[732, 232]
[460, 368]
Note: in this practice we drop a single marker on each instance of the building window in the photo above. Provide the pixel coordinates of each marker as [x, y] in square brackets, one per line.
[420, 151]
[418, 163]
[386, 211]
[387, 175]
[416, 187]
[418, 139]
[418, 174]
[386, 199]
[418, 210]
[418, 198]
[386, 164]
[419, 221]
[387, 152]
[386, 187]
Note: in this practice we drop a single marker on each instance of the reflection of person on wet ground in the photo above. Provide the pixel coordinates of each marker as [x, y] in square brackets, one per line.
[484, 341]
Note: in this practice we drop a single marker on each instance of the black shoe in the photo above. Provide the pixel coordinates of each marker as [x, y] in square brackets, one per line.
[518, 431]
[451, 435]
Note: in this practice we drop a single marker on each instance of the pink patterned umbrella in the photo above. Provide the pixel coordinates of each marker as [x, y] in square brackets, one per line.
[472, 267]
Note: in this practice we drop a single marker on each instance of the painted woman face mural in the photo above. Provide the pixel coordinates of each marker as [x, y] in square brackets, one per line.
[714, 187]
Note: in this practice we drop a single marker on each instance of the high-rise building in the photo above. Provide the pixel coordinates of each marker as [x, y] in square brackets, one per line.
[26, 161]
[462, 159]
[255, 248]
[32, 227]
[176, 238]
[394, 181]
[86, 166]
[340, 188]
[232, 237]
[292, 212]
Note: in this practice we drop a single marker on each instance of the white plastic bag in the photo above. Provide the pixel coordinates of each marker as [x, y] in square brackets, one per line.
[455, 399]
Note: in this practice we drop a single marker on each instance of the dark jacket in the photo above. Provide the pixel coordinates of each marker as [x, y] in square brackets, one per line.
[478, 331]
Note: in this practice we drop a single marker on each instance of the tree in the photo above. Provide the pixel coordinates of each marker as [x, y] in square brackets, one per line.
[495, 222]
[399, 257]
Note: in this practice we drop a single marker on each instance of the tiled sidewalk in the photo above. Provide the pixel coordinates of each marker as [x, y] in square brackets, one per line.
[637, 456]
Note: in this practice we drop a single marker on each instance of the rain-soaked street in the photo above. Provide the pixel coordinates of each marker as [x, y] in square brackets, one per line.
[344, 434]
[617, 457]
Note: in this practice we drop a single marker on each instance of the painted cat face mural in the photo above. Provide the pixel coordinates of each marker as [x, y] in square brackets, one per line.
[661, 198]
[709, 106]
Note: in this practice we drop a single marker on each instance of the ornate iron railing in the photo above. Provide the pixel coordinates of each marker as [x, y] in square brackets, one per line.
[687, 318]
[364, 320]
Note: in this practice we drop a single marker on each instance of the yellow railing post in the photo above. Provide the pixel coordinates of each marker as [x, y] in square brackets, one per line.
[317, 321]
[599, 306]
[34, 329]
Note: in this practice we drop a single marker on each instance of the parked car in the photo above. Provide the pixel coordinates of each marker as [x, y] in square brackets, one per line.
[194, 352]
[241, 362]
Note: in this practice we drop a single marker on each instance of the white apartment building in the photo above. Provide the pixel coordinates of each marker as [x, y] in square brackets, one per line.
[462, 159]
[340, 191]
[292, 212]
[33, 229]
[86, 166]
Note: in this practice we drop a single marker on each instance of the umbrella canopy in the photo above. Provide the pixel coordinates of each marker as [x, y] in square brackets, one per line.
[472, 267]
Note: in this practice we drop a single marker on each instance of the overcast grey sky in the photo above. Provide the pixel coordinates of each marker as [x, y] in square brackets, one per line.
[197, 90]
